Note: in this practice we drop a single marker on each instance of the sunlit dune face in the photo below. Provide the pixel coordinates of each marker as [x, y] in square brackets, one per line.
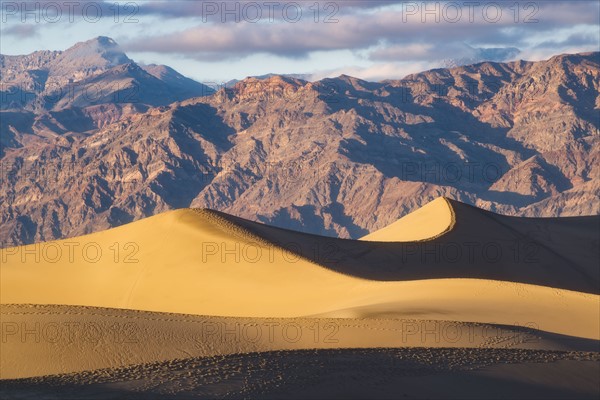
[428, 222]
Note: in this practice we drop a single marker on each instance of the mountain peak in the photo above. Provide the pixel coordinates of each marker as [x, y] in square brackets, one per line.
[99, 51]
[104, 41]
[346, 82]
[274, 84]
[97, 44]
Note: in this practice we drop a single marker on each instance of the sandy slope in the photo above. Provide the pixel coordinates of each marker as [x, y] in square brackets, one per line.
[198, 262]
[415, 373]
[554, 252]
[67, 339]
[193, 262]
[430, 221]
[213, 266]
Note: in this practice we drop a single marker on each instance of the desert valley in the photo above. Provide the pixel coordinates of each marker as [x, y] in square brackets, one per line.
[435, 236]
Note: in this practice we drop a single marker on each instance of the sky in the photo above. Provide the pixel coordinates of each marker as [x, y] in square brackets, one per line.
[216, 41]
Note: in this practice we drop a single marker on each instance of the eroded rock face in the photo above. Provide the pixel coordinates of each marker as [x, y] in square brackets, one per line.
[337, 157]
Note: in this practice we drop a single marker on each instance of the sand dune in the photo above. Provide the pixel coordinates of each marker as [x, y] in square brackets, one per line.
[200, 262]
[554, 252]
[67, 339]
[382, 373]
[211, 265]
[428, 222]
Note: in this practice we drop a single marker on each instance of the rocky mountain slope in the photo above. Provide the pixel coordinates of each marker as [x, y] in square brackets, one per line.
[336, 157]
[93, 83]
[90, 73]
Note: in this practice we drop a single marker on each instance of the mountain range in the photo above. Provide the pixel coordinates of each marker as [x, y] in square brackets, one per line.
[89, 74]
[340, 156]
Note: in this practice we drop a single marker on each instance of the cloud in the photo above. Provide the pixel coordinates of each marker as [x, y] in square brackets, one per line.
[214, 10]
[22, 31]
[538, 54]
[226, 41]
[447, 55]
[409, 34]
[377, 72]
[538, 12]
[573, 40]
[382, 38]
[404, 52]
[396, 66]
